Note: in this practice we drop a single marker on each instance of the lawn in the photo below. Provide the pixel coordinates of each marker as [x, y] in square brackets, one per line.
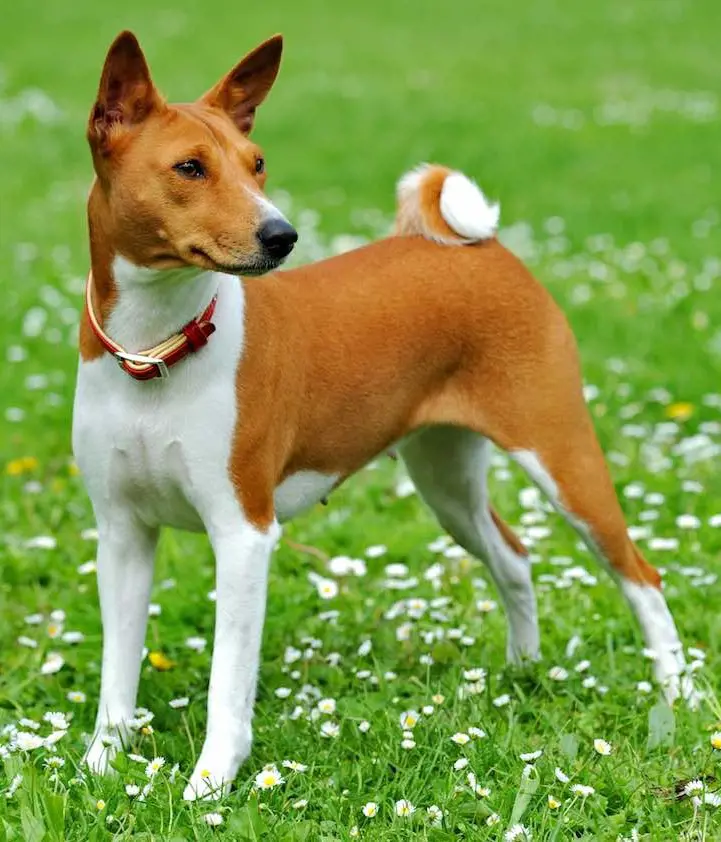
[598, 126]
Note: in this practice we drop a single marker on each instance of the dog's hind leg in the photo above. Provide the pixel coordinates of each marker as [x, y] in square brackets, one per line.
[568, 466]
[449, 466]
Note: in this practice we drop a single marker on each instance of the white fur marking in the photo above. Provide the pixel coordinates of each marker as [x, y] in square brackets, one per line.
[462, 205]
[409, 184]
[659, 631]
[466, 209]
[269, 210]
[300, 491]
[154, 304]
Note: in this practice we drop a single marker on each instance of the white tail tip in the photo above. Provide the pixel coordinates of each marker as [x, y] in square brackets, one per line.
[444, 205]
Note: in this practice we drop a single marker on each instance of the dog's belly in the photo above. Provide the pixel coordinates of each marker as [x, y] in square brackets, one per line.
[300, 491]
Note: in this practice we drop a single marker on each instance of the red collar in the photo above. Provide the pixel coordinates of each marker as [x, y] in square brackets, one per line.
[156, 361]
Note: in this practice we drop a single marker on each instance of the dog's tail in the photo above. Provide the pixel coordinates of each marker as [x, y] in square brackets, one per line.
[444, 205]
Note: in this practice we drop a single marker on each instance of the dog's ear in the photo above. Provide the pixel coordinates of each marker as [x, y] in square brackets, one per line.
[242, 90]
[126, 95]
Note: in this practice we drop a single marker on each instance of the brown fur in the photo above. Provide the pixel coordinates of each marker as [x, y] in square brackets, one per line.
[350, 354]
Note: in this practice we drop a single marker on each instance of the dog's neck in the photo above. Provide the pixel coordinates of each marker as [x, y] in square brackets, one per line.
[151, 305]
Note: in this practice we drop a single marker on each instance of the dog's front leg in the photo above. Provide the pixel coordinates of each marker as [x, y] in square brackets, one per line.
[242, 557]
[126, 552]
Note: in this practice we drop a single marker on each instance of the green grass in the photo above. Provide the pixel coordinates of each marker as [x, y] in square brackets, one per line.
[601, 117]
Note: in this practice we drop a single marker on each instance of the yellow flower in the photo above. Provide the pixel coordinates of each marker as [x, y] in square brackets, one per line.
[680, 411]
[553, 803]
[160, 661]
[100, 804]
[21, 466]
[716, 740]
[73, 469]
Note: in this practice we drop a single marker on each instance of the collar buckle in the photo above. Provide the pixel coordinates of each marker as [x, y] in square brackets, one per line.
[142, 359]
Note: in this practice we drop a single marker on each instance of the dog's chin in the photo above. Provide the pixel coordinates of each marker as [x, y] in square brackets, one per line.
[259, 265]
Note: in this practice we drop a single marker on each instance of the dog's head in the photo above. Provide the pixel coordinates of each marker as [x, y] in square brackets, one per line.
[183, 184]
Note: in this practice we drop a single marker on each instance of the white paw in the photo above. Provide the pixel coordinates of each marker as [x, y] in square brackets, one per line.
[101, 752]
[689, 693]
[680, 684]
[218, 765]
[204, 785]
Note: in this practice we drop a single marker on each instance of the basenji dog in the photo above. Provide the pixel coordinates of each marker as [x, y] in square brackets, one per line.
[211, 398]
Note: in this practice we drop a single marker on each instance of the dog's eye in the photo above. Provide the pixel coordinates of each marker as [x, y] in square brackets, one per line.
[190, 169]
[260, 165]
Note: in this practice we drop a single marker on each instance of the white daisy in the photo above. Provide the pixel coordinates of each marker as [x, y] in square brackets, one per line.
[365, 648]
[327, 588]
[404, 808]
[518, 831]
[370, 810]
[294, 766]
[602, 747]
[409, 719]
[27, 741]
[582, 790]
[155, 765]
[327, 706]
[52, 664]
[330, 729]
[77, 697]
[693, 787]
[268, 778]
[435, 815]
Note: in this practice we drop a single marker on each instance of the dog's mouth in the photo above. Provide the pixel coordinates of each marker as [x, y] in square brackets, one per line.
[258, 266]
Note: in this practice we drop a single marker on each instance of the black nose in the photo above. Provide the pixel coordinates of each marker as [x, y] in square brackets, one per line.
[277, 237]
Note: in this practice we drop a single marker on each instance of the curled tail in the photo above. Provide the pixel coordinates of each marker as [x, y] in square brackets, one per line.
[444, 205]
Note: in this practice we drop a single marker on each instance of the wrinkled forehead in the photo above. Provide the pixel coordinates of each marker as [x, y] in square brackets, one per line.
[187, 130]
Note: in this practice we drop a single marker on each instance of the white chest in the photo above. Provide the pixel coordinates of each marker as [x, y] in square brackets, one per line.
[163, 447]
